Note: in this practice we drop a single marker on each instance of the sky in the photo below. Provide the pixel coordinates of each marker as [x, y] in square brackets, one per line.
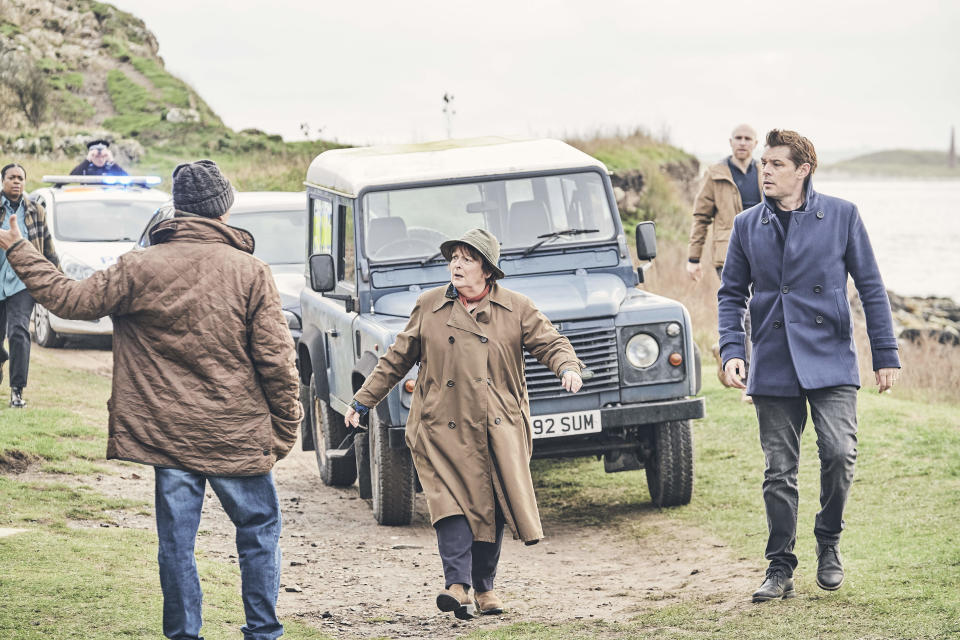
[851, 75]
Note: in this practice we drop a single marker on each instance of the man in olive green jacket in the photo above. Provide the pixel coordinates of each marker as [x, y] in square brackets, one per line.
[730, 187]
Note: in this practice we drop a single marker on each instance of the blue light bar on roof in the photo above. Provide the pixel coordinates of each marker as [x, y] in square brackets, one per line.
[138, 181]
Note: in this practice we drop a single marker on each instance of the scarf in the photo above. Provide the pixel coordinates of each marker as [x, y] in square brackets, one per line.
[465, 300]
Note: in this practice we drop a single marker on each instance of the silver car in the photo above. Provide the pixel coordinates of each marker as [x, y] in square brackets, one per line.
[93, 221]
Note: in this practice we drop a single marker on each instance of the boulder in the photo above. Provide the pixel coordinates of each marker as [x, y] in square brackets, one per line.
[178, 115]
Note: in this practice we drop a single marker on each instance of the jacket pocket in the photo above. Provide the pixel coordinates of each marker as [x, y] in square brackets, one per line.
[843, 312]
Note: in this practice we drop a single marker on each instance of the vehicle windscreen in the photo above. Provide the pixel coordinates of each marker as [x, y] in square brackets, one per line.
[279, 237]
[101, 220]
[560, 210]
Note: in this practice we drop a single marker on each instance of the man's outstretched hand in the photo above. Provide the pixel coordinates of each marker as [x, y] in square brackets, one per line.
[9, 238]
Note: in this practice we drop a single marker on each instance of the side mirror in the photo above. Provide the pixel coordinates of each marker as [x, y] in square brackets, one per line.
[323, 276]
[646, 240]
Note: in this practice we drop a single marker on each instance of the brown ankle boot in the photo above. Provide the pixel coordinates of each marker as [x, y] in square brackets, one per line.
[456, 599]
[488, 603]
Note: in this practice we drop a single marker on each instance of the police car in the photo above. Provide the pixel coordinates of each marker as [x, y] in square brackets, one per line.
[93, 220]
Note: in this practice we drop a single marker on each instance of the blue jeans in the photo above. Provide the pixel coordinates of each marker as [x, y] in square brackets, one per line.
[253, 507]
[834, 413]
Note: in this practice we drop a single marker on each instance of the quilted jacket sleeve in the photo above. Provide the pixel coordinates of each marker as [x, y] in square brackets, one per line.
[274, 358]
[100, 295]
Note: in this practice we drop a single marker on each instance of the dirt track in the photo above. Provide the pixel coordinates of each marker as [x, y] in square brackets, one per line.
[348, 576]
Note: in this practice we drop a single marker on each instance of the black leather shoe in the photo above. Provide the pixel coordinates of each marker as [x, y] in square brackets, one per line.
[776, 585]
[16, 398]
[829, 567]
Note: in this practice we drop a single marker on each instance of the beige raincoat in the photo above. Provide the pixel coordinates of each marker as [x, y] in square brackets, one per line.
[469, 423]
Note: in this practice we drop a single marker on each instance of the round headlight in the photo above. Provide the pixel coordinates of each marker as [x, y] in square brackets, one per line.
[673, 329]
[642, 350]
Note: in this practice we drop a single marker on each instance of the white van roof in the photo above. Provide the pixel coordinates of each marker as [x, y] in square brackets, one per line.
[349, 171]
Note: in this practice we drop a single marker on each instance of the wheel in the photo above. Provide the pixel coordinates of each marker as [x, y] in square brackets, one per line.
[670, 466]
[328, 432]
[42, 331]
[392, 477]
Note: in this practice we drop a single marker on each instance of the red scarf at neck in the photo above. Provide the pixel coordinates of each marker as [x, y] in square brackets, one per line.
[465, 300]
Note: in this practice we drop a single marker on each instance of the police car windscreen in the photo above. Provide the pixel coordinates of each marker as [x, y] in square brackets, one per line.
[101, 221]
[279, 237]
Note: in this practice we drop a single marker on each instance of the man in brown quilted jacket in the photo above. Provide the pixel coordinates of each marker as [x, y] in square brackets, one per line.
[204, 384]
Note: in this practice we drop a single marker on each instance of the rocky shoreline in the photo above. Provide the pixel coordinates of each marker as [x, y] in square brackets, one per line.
[930, 317]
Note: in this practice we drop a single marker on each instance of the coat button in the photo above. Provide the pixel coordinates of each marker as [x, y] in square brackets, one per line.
[777, 324]
[818, 289]
[785, 289]
[764, 220]
[819, 319]
[820, 215]
[452, 424]
[483, 339]
[452, 339]
[497, 421]
[450, 383]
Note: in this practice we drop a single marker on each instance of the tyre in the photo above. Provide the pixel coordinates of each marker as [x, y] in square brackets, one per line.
[670, 466]
[392, 477]
[42, 331]
[328, 432]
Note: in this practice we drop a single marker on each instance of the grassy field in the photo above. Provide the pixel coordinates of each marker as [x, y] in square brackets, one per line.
[81, 579]
[75, 574]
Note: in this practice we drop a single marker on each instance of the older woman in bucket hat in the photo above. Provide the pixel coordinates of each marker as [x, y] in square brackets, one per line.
[469, 422]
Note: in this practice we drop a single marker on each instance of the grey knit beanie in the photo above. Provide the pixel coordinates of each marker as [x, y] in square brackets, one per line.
[200, 188]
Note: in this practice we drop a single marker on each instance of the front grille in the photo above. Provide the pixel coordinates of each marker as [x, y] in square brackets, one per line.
[596, 347]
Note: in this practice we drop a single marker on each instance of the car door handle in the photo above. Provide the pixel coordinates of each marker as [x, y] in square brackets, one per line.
[333, 333]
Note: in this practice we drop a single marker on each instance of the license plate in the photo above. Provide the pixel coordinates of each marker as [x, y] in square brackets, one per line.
[555, 425]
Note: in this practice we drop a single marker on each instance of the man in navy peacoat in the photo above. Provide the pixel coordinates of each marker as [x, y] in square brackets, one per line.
[793, 253]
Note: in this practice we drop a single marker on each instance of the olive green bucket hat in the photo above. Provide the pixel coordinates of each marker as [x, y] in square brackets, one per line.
[481, 240]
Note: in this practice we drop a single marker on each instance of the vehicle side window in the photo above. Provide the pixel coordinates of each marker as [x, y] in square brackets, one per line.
[346, 254]
[321, 219]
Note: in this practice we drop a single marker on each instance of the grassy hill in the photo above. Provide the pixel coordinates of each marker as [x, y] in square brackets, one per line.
[89, 70]
[905, 163]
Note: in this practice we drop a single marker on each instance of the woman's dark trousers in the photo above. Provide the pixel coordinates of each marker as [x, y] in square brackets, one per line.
[465, 561]
[782, 419]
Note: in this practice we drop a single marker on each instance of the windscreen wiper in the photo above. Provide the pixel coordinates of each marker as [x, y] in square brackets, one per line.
[431, 258]
[547, 237]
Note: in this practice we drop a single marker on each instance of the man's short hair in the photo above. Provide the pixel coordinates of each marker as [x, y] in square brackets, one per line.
[801, 149]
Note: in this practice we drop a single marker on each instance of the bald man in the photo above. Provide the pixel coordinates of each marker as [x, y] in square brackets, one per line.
[730, 186]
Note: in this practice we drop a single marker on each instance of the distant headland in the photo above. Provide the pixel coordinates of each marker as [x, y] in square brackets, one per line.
[900, 163]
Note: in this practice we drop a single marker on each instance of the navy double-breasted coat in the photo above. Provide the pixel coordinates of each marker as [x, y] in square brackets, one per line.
[801, 325]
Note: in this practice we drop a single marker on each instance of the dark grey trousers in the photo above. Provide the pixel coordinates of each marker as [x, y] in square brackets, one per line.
[834, 413]
[15, 324]
[465, 561]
